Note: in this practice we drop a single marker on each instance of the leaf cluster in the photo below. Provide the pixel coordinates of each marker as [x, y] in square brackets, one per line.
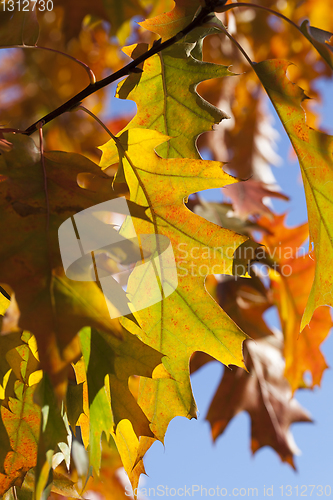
[83, 388]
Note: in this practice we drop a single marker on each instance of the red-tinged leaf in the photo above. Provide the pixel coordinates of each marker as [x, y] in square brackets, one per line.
[315, 153]
[26, 439]
[47, 303]
[265, 394]
[21, 420]
[247, 197]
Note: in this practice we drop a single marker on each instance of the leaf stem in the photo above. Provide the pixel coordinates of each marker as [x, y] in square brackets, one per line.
[89, 71]
[158, 46]
[240, 48]
[86, 110]
[245, 4]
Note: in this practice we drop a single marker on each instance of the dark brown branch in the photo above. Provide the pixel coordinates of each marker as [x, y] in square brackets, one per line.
[126, 70]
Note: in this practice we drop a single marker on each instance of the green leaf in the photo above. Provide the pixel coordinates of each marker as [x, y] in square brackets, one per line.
[314, 151]
[109, 363]
[100, 415]
[188, 320]
[168, 102]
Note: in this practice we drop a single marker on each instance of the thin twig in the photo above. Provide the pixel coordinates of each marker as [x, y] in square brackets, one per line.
[158, 46]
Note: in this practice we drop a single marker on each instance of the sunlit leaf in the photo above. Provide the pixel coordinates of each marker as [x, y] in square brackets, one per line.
[170, 23]
[188, 319]
[168, 101]
[21, 420]
[314, 150]
[111, 403]
[291, 288]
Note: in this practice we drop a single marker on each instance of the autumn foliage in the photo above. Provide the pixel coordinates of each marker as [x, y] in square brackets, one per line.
[82, 393]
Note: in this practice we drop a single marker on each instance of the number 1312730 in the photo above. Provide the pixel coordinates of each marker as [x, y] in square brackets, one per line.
[26, 5]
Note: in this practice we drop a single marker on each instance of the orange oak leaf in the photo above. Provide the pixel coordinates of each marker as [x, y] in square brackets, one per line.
[314, 152]
[22, 421]
[169, 24]
[265, 394]
[291, 288]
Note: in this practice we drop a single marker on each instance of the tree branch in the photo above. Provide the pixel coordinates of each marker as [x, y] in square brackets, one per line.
[76, 100]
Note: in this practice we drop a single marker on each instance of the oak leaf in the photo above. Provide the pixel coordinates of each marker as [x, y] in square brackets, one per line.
[47, 303]
[265, 394]
[188, 319]
[291, 286]
[314, 150]
[168, 102]
[107, 399]
[245, 301]
[21, 420]
[170, 23]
